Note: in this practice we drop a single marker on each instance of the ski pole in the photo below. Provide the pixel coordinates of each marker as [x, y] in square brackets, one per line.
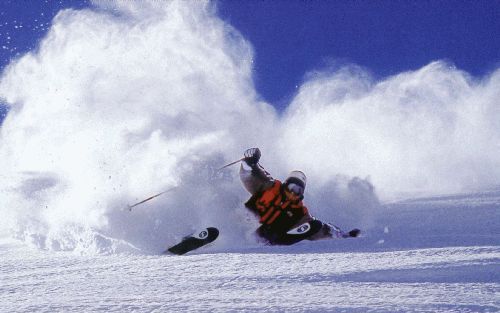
[150, 198]
[232, 163]
[159, 194]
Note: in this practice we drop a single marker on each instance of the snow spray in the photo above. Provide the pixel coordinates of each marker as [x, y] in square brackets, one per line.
[123, 100]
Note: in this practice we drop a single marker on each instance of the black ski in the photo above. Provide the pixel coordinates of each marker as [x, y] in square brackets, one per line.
[194, 241]
[296, 234]
[307, 231]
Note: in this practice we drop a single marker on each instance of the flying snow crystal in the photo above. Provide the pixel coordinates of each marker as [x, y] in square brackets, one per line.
[123, 101]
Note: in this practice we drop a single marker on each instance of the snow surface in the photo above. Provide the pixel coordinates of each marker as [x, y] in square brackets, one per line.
[131, 98]
[401, 265]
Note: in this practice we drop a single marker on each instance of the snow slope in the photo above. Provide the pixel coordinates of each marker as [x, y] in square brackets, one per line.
[438, 266]
[427, 280]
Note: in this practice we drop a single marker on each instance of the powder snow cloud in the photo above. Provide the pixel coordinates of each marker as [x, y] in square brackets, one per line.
[125, 100]
[433, 130]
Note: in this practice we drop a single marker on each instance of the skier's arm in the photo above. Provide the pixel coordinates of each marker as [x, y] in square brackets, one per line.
[253, 176]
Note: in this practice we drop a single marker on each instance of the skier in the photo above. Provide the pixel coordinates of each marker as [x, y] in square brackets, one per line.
[284, 218]
[278, 205]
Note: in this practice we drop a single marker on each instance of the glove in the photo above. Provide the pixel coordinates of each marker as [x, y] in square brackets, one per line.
[252, 156]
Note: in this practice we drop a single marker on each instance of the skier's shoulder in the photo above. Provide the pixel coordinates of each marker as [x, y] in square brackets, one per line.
[274, 186]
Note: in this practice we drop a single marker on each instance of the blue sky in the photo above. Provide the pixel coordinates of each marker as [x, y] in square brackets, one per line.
[386, 37]
[291, 38]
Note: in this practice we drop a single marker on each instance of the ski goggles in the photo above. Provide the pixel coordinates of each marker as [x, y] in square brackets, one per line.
[296, 189]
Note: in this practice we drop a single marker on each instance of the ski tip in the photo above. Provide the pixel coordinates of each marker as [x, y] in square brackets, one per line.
[214, 231]
[194, 241]
[354, 233]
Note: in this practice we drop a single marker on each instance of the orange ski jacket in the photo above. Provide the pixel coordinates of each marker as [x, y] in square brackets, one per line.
[276, 211]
